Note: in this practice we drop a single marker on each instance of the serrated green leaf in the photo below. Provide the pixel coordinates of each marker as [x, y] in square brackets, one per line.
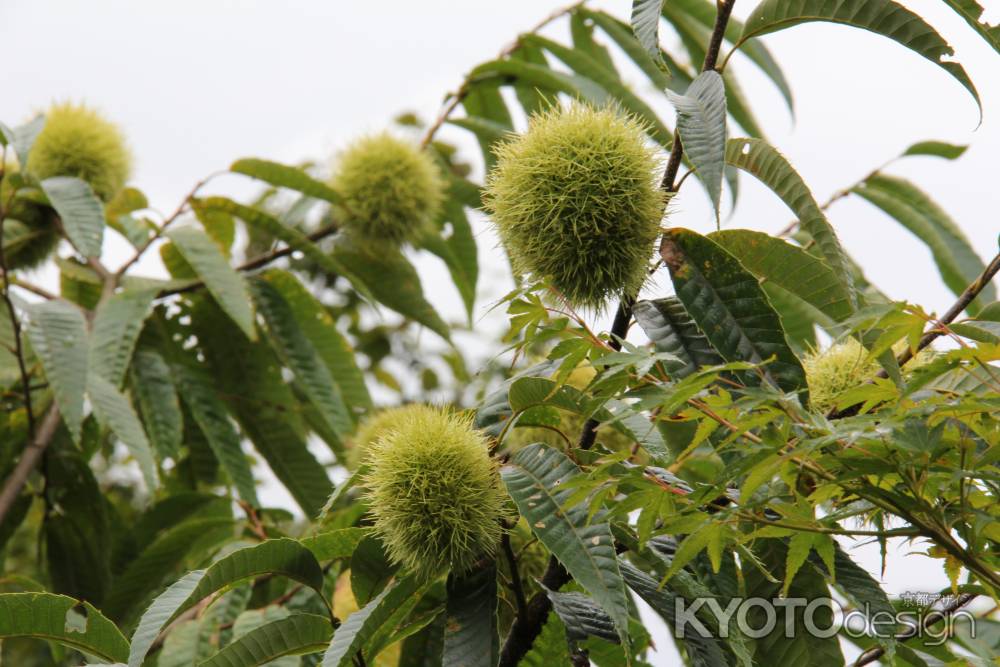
[459, 253]
[58, 335]
[334, 544]
[729, 306]
[302, 357]
[61, 619]
[582, 617]
[627, 42]
[585, 549]
[296, 634]
[582, 33]
[790, 267]
[284, 557]
[701, 122]
[153, 388]
[770, 167]
[360, 626]
[882, 17]
[671, 330]
[80, 211]
[646, 25]
[319, 327]
[116, 327]
[210, 413]
[282, 175]
[936, 149]
[115, 411]
[543, 77]
[470, 634]
[974, 15]
[224, 283]
[954, 255]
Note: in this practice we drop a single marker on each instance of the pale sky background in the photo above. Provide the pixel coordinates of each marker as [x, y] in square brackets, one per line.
[197, 84]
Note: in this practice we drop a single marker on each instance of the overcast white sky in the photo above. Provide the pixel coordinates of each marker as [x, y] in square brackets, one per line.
[197, 84]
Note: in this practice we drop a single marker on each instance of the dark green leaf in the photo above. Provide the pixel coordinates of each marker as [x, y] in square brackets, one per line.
[114, 410]
[58, 335]
[63, 620]
[294, 635]
[974, 15]
[153, 388]
[470, 632]
[582, 617]
[672, 330]
[117, 324]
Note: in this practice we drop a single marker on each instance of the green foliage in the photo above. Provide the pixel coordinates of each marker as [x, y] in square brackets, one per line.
[78, 141]
[391, 191]
[434, 493]
[574, 202]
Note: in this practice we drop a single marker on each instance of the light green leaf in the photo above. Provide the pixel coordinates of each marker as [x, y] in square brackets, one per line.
[671, 330]
[153, 388]
[360, 626]
[212, 417]
[58, 335]
[543, 77]
[984, 331]
[470, 632]
[799, 546]
[297, 634]
[790, 267]
[334, 544]
[459, 253]
[646, 25]
[284, 176]
[301, 356]
[284, 557]
[114, 410]
[701, 122]
[585, 549]
[954, 255]
[764, 162]
[882, 17]
[61, 619]
[729, 307]
[973, 13]
[320, 329]
[936, 149]
[80, 211]
[23, 137]
[224, 283]
[117, 324]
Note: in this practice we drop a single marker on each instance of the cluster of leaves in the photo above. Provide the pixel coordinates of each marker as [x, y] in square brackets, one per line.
[146, 403]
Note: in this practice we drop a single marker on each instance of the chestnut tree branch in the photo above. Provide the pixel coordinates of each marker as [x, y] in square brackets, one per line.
[30, 457]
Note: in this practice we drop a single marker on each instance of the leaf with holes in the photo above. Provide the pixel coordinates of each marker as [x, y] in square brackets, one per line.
[63, 620]
[297, 634]
[80, 211]
[585, 549]
[957, 261]
[727, 303]
[58, 335]
[224, 283]
[882, 17]
[974, 15]
[701, 122]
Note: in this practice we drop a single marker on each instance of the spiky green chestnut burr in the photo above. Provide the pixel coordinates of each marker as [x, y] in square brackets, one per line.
[575, 201]
[434, 493]
[78, 141]
[392, 190]
[382, 423]
[833, 371]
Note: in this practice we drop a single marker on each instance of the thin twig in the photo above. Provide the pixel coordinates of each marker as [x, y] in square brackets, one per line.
[29, 459]
[873, 654]
[516, 585]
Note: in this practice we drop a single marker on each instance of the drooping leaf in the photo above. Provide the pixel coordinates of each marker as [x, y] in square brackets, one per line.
[543, 77]
[210, 414]
[115, 411]
[80, 211]
[936, 149]
[117, 324]
[628, 43]
[769, 166]
[58, 336]
[61, 619]
[646, 25]
[882, 17]
[790, 267]
[954, 255]
[284, 557]
[672, 330]
[470, 631]
[584, 548]
[153, 389]
[974, 14]
[459, 252]
[582, 616]
[484, 102]
[582, 33]
[282, 175]
[360, 626]
[371, 569]
[701, 122]
[729, 306]
[302, 357]
[224, 283]
[296, 634]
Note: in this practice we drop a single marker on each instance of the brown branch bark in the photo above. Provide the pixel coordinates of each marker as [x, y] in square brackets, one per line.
[30, 457]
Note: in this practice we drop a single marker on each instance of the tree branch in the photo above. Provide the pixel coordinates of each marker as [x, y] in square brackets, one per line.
[29, 459]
